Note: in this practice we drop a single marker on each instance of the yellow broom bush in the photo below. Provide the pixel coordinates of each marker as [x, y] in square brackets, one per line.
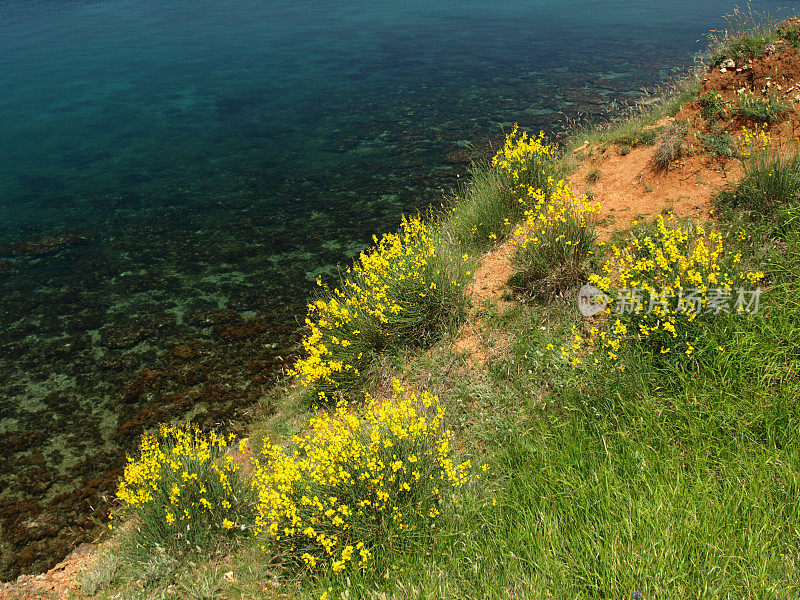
[405, 290]
[185, 490]
[663, 285]
[554, 241]
[527, 161]
[361, 481]
[491, 203]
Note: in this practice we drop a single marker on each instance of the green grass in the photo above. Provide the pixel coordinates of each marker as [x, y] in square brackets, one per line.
[485, 210]
[717, 142]
[712, 107]
[635, 136]
[746, 34]
[791, 35]
[205, 585]
[551, 266]
[634, 125]
[742, 49]
[650, 480]
[770, 184]
[480, 209]
[101, 574]
[654, 481]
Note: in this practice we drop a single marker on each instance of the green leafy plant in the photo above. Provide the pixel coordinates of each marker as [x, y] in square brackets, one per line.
[791, 34]
[717, 142]
[637, 137]
[741, 49]
[554, 243]
[745, 36]
[99, 575]
[761, 110]
[712, 107]
[482, 212]
[663, 284]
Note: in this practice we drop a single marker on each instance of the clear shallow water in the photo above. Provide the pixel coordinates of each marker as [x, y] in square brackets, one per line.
[176, 174]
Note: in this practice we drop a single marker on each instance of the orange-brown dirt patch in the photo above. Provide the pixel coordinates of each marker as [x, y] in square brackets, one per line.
[629, 188]
[56, 583]
[488, 287]
[775, 73]
[776, 70]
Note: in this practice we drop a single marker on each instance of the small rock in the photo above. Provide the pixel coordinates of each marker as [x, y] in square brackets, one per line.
[582, 148]
[723, 70]
[651, 101]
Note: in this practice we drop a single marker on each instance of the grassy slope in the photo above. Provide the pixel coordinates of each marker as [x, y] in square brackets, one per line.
[657, 482]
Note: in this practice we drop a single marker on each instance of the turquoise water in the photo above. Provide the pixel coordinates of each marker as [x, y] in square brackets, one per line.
[175, 174]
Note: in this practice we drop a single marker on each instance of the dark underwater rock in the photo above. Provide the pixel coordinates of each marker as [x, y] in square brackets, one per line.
[40, 245]
[208, 318]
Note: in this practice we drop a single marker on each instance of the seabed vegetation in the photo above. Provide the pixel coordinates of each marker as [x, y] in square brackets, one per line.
[642, 452]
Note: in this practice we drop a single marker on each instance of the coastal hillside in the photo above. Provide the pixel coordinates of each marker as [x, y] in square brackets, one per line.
[578, 379]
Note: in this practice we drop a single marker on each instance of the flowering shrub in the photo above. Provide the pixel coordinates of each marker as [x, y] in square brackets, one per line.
[491, 205]
[361, 480]
[527, 161]
[754, 141]
[482, 215]
[661, 287]
[556, 238]
[556, 235]
[404, 290]
[185, 489]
